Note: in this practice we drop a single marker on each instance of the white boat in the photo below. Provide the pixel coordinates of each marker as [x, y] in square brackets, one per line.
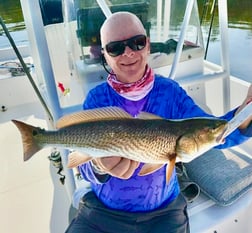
[32, 198]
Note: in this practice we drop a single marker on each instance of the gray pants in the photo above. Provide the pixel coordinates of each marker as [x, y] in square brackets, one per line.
[94, 217]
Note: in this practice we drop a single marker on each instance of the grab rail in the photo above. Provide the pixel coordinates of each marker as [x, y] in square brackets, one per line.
[179, 48]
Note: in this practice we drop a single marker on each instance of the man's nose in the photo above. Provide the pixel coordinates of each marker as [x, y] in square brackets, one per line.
[128, 52]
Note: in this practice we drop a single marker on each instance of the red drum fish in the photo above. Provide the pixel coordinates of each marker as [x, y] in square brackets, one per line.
[111, 131]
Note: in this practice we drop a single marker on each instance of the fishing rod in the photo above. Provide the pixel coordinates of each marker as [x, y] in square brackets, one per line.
[25, 68]
[214, 4]
[203, 17]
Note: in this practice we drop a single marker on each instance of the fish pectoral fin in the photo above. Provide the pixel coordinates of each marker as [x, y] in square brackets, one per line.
[77, 158]
[170, 169]
[149, 168]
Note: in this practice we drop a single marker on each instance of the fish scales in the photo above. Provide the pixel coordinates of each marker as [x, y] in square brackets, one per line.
[127, 137]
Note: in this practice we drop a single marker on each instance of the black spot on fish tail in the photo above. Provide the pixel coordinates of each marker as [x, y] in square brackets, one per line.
[30, 146]
[34, 132]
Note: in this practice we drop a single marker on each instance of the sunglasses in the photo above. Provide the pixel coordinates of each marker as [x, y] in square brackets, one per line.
[117, 48]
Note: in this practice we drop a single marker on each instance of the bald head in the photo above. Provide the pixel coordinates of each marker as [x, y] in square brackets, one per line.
[120, 26]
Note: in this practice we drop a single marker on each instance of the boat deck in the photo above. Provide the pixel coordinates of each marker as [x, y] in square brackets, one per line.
[26, 188]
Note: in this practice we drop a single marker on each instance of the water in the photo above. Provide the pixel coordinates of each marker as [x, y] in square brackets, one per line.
[240, 34]
[11, 14]
[240, 53]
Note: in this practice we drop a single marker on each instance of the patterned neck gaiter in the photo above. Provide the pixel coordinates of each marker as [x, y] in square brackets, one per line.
[133, 91]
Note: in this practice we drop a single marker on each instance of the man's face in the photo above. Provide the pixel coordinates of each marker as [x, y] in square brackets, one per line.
[130, 65]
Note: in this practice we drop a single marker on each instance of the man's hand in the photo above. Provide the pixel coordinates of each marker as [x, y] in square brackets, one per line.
[116, 166]
[247, 100]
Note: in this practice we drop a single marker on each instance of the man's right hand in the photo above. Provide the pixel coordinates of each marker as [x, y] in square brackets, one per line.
[116, 166]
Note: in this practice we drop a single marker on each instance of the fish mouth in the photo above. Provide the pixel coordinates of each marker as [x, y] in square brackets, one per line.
[221, 138]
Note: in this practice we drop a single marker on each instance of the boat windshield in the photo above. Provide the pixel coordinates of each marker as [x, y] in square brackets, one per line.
[163, 21]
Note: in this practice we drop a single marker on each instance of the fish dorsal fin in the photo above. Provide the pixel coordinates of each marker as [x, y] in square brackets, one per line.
[89, 115]
[148, 116]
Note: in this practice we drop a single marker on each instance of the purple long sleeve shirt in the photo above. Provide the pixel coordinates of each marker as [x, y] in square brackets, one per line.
[145, 193]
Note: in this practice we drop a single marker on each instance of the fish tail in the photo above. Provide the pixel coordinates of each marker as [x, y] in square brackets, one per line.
[30, 146]
[170, 169]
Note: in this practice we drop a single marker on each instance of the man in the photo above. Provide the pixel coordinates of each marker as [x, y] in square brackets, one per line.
[122, 201]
